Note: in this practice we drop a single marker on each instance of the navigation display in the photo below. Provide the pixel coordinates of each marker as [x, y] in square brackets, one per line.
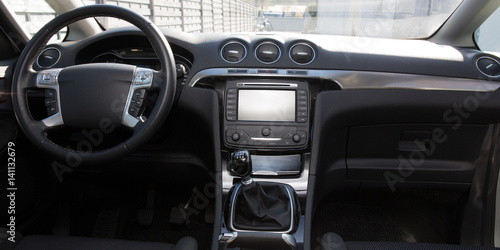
[266, 105]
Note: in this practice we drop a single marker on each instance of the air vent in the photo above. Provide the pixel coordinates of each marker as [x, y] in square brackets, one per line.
[267, 52]
[302, 53]
[48, 58]
[488, 66]
[233, 52]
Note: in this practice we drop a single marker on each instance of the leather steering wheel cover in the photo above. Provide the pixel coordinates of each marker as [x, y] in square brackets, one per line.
[143, 130]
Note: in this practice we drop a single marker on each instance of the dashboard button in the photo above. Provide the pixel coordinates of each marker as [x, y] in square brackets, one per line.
[301, 97]
[231, 101]
[235, 137]
[296, 138]
[231, 118]
[231, 91]
[289, 135]
[296, 72]
[266, 131]
[302, 134]
[231, 96]
[302, 108]
[301, 92]
[52, 111]
[301, 114]
[139, 93]
[301, 119]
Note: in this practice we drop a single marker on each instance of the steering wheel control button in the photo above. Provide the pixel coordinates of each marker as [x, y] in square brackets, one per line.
[266, 131]
[137, 102]
[139, 93]
[47, 77]
[51, 102]
[143, 76]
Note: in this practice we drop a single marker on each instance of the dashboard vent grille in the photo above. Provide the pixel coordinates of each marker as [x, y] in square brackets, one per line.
[267, 52]
[233, 52]
[302, 53]
[488, 66]
[48, 58]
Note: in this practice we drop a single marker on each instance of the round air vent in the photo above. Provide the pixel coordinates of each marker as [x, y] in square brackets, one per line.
[488, 66]
[233, 52]
[302, 53]
[48, 58]
[267, 52]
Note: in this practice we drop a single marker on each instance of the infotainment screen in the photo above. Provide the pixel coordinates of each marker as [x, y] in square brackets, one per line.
[266, 105]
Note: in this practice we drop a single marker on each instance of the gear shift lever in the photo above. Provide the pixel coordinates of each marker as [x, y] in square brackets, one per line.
[241, 165]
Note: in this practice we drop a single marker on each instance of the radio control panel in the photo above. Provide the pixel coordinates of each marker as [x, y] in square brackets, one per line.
[266, 114]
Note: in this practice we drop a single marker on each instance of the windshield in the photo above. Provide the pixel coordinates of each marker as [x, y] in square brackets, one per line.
[367, 18]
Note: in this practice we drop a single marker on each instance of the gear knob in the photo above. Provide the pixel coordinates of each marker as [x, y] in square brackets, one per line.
[241, 164]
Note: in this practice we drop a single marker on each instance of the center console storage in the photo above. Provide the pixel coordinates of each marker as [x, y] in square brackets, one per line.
[259, 215]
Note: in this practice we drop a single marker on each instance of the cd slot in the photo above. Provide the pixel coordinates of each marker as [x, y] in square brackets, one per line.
[263, 84]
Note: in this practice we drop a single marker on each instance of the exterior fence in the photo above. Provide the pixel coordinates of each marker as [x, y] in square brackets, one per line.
[191, 15]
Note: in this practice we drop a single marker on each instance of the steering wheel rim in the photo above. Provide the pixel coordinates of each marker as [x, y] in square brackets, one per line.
[25, 78]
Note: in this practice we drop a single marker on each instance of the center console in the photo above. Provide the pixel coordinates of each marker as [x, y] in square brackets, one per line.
[263, 193]
[271, 118]
[259, 215]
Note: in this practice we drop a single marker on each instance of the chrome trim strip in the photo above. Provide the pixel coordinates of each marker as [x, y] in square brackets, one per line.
[366, 80]
[265, 139]
[49, 79]
[143, 79]
[226, 238]
[289, 240]
[3, 70]
[279, 84]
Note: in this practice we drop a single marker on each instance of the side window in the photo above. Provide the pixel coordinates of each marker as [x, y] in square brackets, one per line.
[33, 15]
[488, 35]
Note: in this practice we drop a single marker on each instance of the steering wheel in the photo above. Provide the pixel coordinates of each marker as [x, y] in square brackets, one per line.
[97, 97]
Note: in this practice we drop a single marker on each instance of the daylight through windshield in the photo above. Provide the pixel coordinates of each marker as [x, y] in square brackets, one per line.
[371, 18]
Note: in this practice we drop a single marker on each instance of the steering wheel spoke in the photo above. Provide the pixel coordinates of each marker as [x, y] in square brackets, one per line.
[31, 79]
[48, 80]
[159, 78]
[141, 83]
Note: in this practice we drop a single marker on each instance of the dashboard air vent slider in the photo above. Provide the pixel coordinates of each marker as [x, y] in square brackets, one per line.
[48, 58]
[489, 66]
[233, 52]
[267, 52]
[302, 53]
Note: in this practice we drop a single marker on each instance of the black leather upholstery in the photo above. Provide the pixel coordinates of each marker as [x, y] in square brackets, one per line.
[332, 241]
[262, 206]
[45, 242]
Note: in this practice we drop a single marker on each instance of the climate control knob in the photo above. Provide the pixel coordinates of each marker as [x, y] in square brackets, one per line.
[266, 131]
[235, 136]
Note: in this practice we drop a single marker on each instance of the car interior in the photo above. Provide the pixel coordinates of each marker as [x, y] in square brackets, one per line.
[143, 137]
